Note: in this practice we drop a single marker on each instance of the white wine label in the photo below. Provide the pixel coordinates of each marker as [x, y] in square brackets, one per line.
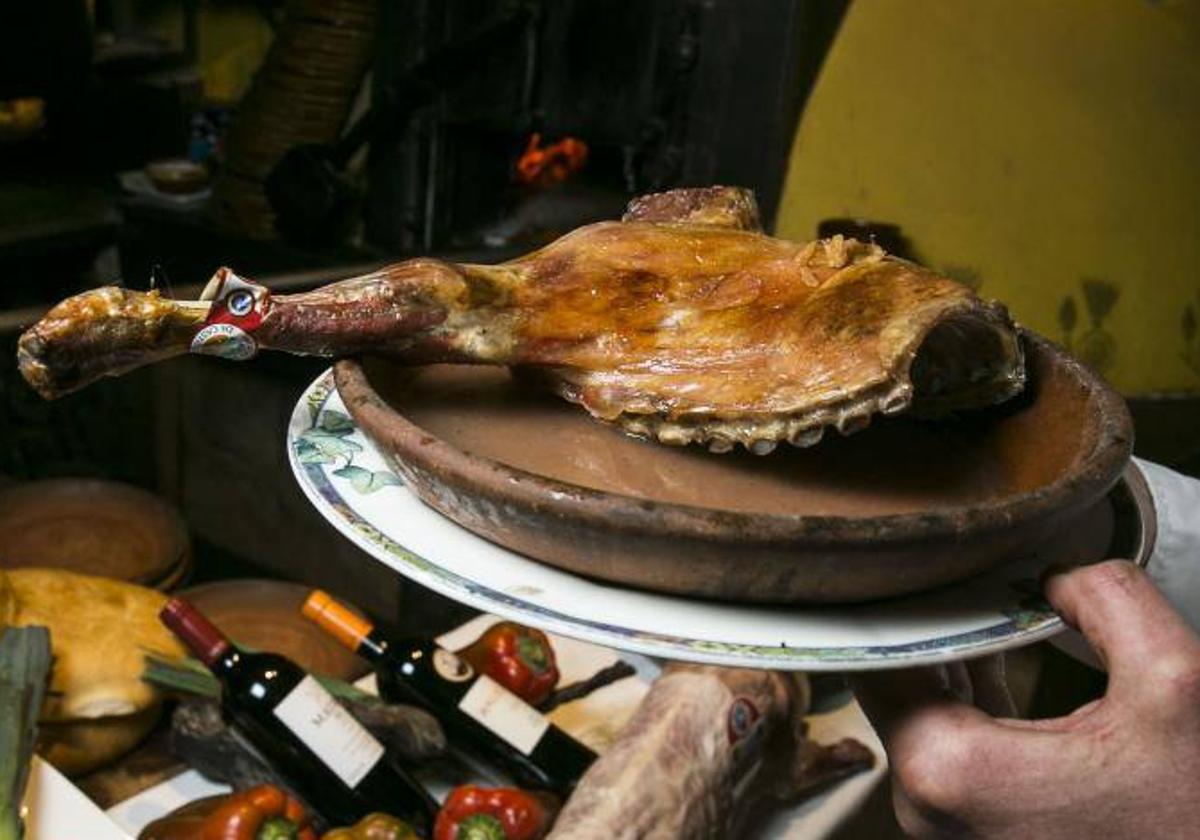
[504, 713]
[329, 731]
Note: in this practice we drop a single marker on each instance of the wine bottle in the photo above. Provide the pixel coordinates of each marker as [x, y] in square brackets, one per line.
[301, 730]
[479, 715]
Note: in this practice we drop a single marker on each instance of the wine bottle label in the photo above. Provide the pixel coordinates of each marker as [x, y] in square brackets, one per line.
[329, 731]
[450, 667]
[504, 713]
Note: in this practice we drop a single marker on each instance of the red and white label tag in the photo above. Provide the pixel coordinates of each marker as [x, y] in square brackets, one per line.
[236, 310]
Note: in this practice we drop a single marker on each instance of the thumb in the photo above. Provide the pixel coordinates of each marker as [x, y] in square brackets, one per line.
[1126, 619]
[912, 710]
[948, 757]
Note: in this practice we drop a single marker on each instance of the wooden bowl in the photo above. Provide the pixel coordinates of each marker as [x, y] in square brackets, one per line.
[177, 175]
[93, 527]
[901, 507]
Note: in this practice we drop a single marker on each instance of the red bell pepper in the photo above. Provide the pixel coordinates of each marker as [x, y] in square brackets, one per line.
[518, 657]
[258, 813]
[477, 813]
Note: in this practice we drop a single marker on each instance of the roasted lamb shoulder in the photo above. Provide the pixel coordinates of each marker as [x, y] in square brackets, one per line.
[683, 322]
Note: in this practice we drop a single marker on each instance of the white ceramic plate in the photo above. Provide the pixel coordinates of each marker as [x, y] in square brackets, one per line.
[349, 483]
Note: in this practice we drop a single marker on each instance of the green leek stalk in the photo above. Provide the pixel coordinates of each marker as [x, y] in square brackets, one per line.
[188, 676]
[24, 666]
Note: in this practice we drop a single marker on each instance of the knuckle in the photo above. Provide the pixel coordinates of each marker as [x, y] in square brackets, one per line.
[936, 777]
[932, 790]
[931, 827]
[913, 824]
[1175, 680]
[1110, 576]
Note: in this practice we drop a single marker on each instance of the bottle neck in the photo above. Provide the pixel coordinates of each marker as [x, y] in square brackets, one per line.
[227, 661]
[201, 636]
[373, 646]
[343, 624]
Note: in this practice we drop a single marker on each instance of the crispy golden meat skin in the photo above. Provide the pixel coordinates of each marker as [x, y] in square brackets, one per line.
[682, 322]
[104, 332]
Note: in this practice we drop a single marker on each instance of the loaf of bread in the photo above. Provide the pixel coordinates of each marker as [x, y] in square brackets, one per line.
[79, 746]
[100, 630]
[97, 707]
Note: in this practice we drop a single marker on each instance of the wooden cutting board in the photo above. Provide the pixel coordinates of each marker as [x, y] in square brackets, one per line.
[93, 527]
[265, 615]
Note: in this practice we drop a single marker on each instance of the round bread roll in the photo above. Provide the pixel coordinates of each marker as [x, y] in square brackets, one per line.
[76, 747]
[100, 631]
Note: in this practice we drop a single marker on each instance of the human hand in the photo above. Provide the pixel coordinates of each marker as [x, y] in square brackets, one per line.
[1125, 765]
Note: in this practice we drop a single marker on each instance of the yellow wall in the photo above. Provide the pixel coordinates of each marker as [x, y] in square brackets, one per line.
[1038, 146]
[232, 42]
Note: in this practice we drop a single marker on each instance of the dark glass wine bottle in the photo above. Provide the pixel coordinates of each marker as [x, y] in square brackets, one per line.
[479, 715]
[301, 730]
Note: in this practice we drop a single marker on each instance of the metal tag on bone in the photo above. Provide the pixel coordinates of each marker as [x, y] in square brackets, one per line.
[237, 309]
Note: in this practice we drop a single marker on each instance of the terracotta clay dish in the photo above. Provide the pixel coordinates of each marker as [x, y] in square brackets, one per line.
[265, 615]
[94, 527]
[900, 507]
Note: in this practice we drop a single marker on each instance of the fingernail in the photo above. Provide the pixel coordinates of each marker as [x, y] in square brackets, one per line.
[1060, 567]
